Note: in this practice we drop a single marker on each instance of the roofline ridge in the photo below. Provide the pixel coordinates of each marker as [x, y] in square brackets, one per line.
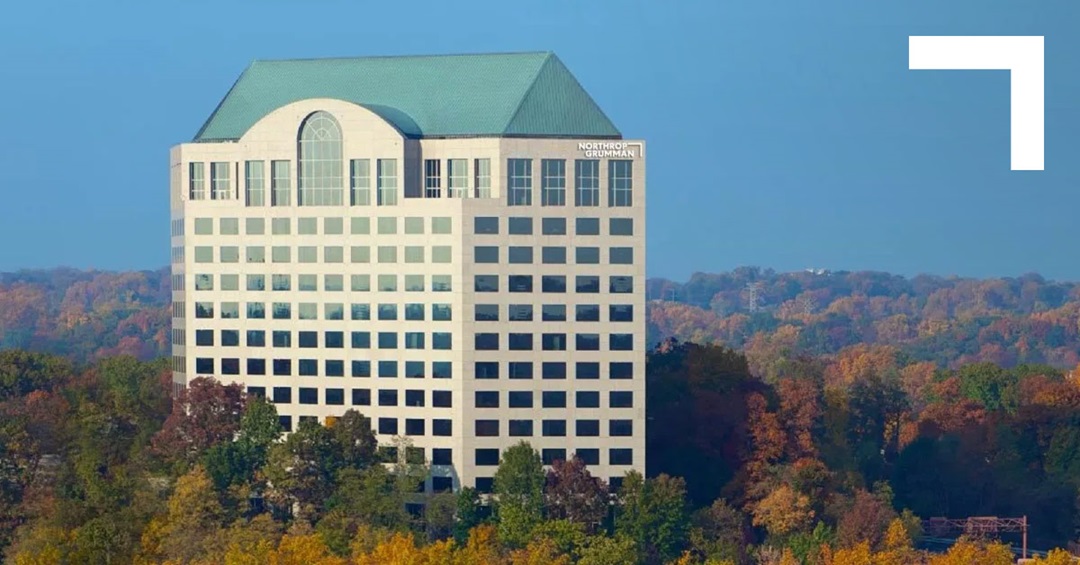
[547, 53]
[222, 101]
[528, 91]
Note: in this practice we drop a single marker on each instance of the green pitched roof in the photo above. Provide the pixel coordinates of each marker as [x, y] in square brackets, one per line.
[514, 94]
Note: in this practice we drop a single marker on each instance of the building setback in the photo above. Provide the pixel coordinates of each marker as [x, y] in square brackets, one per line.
[452, 245]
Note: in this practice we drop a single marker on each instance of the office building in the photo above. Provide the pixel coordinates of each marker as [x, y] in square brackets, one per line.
[452, 245]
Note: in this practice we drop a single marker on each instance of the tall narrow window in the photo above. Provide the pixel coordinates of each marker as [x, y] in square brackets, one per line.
[457, 177]
[321, 170]
[587, 182]
[220, 188]
[387, 182]
[620, 182]
[254, 183]
[196, 181]
[519, 182]
[432, 178]
[482, 170]
[553, 182]
[360, 182]
[280, 183]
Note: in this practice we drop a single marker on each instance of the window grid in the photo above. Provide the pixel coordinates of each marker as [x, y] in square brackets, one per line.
[254, 183]
[620, 182]
[387, 171]
[457, 178]
[360, 182]
[587, 182]
[220, 188]
[320, 161]
[553, 182]
[482, 170]
[280, 183]
[432, 178]
[196, 181]
[519, 182]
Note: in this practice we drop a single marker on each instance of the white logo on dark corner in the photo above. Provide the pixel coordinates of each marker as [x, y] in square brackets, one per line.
[1022, 56]
[612, 149]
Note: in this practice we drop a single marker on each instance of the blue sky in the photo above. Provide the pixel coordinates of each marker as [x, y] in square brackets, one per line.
[784, 134]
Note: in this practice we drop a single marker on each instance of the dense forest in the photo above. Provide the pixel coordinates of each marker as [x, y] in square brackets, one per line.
[90, 315]
[827, 462]
[814, 431]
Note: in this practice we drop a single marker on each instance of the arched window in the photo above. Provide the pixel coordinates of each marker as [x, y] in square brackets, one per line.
[321, 171]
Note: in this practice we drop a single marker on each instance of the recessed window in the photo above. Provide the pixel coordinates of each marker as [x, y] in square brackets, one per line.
[553, 283]
[519, 312]
[520, 399]
[443, 428]
[520, 341]
[196, 181]
[361, 396]
[620, 182]
[520, 428]
[621, 399]
[588, 456]
[587, 255]
[587, 399]
[621, 226]
[441, 225]
[414, 312]
[553, 370]
[486, 254]
[521, 370]
[621, 342]
[621, 256]
[621, 456]
[485, 225]
[519, 182]
[587, 313]
[587, 182]
[520, 283]
[486, 370]
[554, 255]
[553, 428]
[256, 282]
[553, 342]
[280, 184]
[553, 312]
[487, 399]
[486, 283]
[621, 313]
[388, 182]
[282, 338]
[553, 182]
[360, 340]
[359, 311]
[587, 226]
[551, 455]
[486, 458]
[553, 399]
[486, 313]
[220, 181]
[587, 370]
[432, 178]
[441, 312]
[487, 428]
[487, 341]
[621, 285]
[521, 226]
[361, 369]
[587, 428]
[360, 182]
[482, 175]
[588, 342]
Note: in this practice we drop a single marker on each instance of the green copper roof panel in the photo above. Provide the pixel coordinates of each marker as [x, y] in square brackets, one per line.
[521, 94]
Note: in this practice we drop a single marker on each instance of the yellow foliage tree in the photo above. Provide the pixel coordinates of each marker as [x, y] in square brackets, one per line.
[482, 548]
[783, 511]
[303, 550]
[1055, 557]
[858, 555]
[542, 551]
[966, 552]
[898, 549]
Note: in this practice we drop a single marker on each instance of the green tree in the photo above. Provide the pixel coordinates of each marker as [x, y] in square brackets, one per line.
[469, 514]
[519, 494]
[353, 433]
[604, 550]
[653, 513]
[301, 469]
[193, 520]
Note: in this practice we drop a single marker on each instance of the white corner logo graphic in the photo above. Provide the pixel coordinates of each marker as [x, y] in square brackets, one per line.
[1021, 55]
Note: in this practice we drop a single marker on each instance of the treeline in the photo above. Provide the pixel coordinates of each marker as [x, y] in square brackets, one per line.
[949, 321]
[815, 464]
[90, 315]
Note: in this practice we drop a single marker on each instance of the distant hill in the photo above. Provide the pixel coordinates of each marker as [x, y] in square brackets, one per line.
[947, 320]
[86, 315]
[950, 321]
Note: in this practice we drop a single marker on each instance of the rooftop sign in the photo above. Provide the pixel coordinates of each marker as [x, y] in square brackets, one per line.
[610, 149]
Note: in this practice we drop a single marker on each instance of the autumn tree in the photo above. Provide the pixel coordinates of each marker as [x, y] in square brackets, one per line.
[204, 414]
[572, 493]
[302, 469]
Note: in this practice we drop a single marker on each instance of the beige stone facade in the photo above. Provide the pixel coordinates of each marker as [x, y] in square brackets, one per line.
[392, 307]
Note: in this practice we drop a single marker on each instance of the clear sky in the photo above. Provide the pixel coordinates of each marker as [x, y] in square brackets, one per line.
[784, 134]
